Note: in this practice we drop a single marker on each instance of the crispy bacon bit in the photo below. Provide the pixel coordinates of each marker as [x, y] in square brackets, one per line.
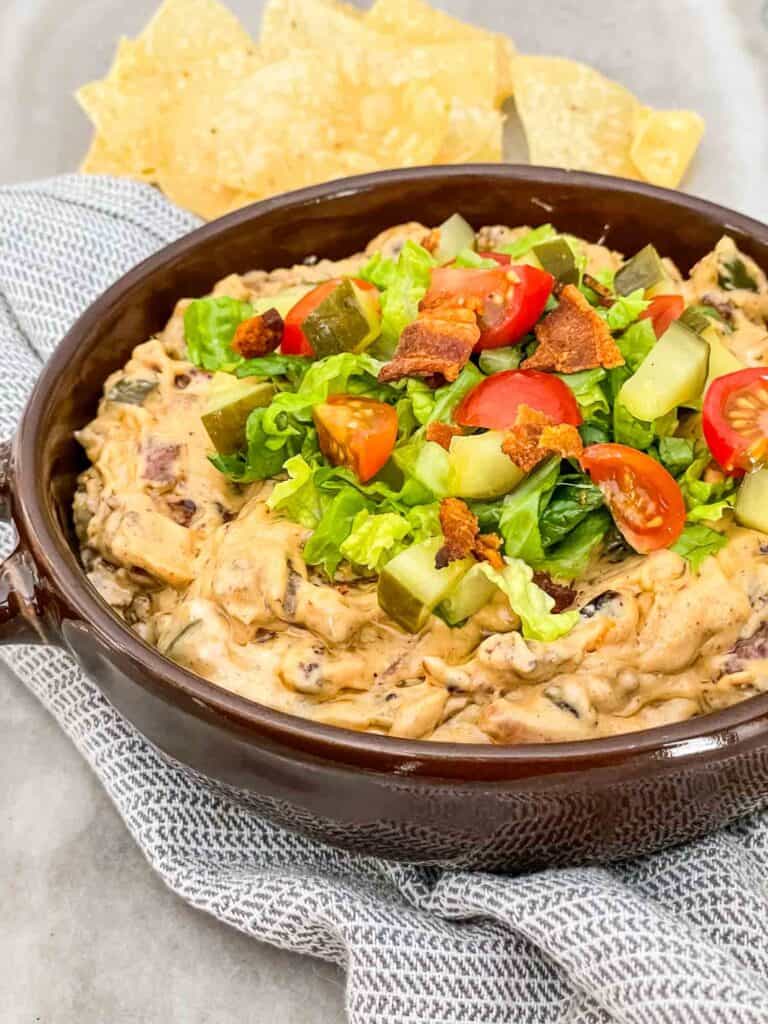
[435, 346]
[488, 549]
[563, 594]
[573, 337]
[442, 433]
[605, 296]
[459, 526]
[535, 437]
[460, 530]
[258, 335]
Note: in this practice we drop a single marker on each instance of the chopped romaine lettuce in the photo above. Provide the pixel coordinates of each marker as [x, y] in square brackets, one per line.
[676, 454]
[292, 368]
[209, 327]
[635, 344]
[403, 283]
[697, 542]
[474, 260]
[324, 546]
[530, 602]
[625, 311]
[520, 519]
[572, 501]
[297, 497]
[449, 396]
[526, 242]
[375, 538]
[587, 390]
[569, 559]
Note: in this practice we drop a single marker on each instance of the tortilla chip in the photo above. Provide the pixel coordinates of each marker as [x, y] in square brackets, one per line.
[292, 124]
[664, 144]
[574, 117]
[414, 21]
[464, 70]
[475, 135]
[185, 31]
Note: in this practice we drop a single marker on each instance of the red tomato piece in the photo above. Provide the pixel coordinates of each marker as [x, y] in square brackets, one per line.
[645, 500]
[356, 432]
[735, 419]
[294, 341]
[662, 311]
[493, 403]
[508, 301]
[502, 258]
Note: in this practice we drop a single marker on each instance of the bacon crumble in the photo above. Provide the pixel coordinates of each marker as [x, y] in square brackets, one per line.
[258, 335]
[561, 593]
[573, 337]
[535, 437]
[462, 539]
[436, 346]
[442, 433]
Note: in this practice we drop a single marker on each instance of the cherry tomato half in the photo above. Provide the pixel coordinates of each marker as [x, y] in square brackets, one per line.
[662, 311]
[494, 402]
[645, 500]
[294, 341]
[509, 301]
[735, 419]
[356, 432]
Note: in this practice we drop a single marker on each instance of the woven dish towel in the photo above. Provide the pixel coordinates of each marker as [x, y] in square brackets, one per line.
[677, 938]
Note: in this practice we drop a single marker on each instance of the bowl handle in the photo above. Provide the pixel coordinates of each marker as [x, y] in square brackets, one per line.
[25, 603]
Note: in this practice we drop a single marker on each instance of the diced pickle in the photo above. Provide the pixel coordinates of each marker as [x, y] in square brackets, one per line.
[455, 235]
[478, 468]
[558, 258]
[348, 320]
[644, 270]
[696, 319]
[230, 402]
[734, 275]
[470, 594]
[752, 501]
[721, 359]
[410, 587]
[427, 464]
[673, 373]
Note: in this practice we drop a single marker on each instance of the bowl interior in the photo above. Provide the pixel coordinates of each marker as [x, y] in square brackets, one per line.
[332, 221]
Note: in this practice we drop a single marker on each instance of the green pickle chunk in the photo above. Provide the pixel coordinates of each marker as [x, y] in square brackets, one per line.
[347, 320]
[472, 593]
[752, 501]
[557, 257]
[230, 403]
[673, 373]
[410, 587]
[478, 468]
[455, 234]
[644, 270]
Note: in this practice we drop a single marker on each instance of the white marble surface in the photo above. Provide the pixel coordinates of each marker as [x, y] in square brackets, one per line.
[88, 935]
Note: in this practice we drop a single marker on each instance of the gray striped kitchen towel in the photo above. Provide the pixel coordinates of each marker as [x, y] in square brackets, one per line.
[677, 938]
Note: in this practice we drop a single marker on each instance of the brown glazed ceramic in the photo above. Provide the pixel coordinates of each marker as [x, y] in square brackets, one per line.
[460, 805]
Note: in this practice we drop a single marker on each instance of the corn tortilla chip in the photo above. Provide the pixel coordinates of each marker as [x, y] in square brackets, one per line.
[664, 144]
[475, 135]
[414, 21]
[574, 117]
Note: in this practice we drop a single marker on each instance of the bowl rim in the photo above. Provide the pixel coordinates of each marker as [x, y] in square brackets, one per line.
[691, 738]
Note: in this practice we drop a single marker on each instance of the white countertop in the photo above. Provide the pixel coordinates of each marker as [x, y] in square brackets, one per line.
[88, 934]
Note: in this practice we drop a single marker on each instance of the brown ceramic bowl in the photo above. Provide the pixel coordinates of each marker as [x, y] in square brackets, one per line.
[463, 805]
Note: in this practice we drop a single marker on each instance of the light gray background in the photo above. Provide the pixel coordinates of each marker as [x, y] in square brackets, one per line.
[87, 933]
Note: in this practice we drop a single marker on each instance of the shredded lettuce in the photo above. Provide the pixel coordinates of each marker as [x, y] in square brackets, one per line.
[635, 344]
[297, 497]
[449, 396]
[292, 368]
[625, 311]
[569, 559]
[530, 602]
[587, 390]
[209, 327]
[474, 260]
[403, 284]
[572, 501]
[422, 398]
[324, 546]
[697, 542]
[676, 454]
[522, 510]
[374, 539]
[706, 500]
[526, 242]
